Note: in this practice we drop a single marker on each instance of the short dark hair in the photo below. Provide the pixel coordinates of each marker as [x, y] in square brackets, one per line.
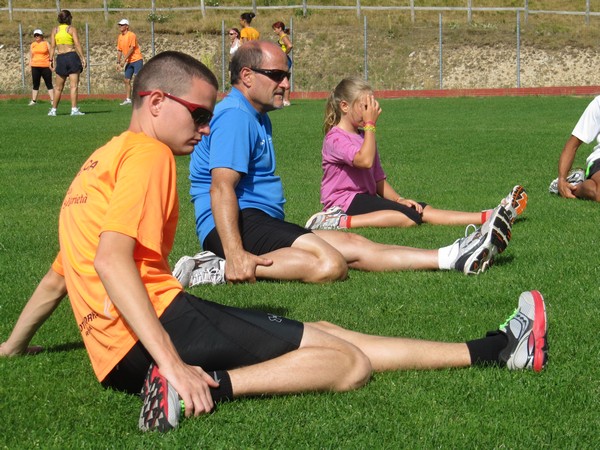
[248, 55]
[65, 17]
[171, 72]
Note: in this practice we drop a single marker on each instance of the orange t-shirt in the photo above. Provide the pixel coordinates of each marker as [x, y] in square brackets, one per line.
[249, 34]
[40, 54]
[125, 42]
[127, 186]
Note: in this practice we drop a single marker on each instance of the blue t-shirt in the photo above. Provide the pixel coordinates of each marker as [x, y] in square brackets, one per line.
[240, 139]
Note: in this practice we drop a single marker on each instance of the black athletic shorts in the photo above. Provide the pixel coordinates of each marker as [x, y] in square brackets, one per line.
[365, 203]
[37, 73]
[592, 169]
[260, 232]
[212, 336]
[68, 63]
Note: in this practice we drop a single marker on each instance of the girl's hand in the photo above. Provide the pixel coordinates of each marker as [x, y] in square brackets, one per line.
[371, 108]
[410, 203]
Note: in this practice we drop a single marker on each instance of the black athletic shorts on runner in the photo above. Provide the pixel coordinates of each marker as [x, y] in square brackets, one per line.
[68, 63]
[212, 336]
[260, 233]
[366, 203]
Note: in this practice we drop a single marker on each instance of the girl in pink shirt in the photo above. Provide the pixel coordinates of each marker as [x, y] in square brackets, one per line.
[354, 190]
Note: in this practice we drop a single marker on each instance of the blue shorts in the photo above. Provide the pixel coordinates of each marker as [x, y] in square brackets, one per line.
[67, 64]
[260, 232]
[133, 68]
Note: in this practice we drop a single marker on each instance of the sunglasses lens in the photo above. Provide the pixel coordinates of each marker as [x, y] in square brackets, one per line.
[201, 116]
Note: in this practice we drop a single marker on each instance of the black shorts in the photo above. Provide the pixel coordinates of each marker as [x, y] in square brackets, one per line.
[365, 203]
[260, 232]
[592, 168]
[68, 63]
[212, 336]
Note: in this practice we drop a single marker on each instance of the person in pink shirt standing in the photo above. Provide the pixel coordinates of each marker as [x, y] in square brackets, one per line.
[354, 190]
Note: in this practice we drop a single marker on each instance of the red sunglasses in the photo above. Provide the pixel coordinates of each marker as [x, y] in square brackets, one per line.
[200, 114]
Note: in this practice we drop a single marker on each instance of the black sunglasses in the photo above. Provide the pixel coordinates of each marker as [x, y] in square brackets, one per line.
[200, 114]
[274, 74]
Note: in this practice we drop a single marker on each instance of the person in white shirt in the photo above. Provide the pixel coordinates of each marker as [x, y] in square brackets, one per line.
[581, 183]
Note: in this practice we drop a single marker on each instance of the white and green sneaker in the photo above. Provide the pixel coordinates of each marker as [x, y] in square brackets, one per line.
[526, 330]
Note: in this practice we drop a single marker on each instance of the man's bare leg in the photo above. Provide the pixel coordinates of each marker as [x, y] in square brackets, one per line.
[589, 189]
[310, 260]
[363, 254]
[331, 358]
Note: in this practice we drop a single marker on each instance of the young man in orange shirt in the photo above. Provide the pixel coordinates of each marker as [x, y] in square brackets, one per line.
[129, 57]
[142, 331]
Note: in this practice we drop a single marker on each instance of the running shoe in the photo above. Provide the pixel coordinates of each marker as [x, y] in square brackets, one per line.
[52, 112]
[526, 330]
[476, 251]
[326, 220]
[127, 101]
[31, 103]
[515, 202]
[202, 268]
[162, 408]
[575, 177]
[76, 112]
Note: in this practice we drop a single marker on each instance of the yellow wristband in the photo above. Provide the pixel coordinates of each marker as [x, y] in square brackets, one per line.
[370, 128]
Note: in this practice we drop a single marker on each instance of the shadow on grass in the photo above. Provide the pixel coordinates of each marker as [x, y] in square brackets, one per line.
[67, 347]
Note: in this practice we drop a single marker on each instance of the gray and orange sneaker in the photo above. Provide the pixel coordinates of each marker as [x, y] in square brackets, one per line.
[526, 330]
[162, 408]
[516, 201]
[326, 220]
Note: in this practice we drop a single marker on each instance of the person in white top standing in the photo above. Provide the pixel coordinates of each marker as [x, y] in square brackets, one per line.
[581, 183]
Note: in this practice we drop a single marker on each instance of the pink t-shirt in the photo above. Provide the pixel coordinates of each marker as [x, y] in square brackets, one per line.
[341, 180]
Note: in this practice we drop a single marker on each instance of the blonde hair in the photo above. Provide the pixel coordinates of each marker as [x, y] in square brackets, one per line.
[348, 90]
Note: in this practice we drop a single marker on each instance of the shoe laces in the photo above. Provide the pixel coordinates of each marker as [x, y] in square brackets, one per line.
[503, 326]
[471, 228]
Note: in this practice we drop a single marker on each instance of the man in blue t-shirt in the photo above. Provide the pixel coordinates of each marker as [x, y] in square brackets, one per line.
[238, 199]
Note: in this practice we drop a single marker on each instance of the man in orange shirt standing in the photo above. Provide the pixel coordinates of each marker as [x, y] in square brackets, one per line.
[128, 55]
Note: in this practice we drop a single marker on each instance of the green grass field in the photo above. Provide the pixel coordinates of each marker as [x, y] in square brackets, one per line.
[463, 153]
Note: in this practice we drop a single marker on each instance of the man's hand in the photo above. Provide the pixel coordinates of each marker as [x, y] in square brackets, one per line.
[193, 386]
[241, 267]
[565, 189]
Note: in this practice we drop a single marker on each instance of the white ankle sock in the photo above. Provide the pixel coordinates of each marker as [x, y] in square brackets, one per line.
[447, 256]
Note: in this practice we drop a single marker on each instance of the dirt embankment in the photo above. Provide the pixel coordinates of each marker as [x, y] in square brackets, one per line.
[464, 67]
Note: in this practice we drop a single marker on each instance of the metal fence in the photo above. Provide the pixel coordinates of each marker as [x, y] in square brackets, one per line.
[435, 44]
[581, 8]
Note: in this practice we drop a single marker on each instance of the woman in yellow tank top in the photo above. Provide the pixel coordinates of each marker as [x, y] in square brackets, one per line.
[69, 60]
[286, 45]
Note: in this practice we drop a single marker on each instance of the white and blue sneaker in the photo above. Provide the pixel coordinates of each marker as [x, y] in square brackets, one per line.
[476, 251]
[575, 177]
[202, 268]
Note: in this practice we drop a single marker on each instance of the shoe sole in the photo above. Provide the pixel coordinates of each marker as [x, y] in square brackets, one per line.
[519, 199]
[154, 414]
[501, 231]
[537, 336]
